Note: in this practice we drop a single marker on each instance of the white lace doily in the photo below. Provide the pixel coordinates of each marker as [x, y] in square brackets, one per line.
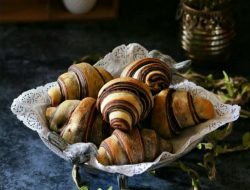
[123, 55]
[30, 108]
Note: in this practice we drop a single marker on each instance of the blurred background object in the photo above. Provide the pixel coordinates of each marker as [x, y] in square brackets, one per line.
[57, 10]
[207, 30]
[79, 6]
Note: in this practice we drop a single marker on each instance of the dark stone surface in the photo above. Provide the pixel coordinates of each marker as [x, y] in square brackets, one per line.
[34, 54]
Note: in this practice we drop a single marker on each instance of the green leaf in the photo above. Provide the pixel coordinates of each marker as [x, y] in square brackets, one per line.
[206, 146]
[210, 77]
[229, 85]
[84, 188]
[200, 164]
[199, 146]
[218, 150]
[110, 188]
[246, 139]
[195, 183]
[244, 89]
[226, 78]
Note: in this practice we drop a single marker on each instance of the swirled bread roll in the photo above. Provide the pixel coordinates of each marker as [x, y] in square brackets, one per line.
[162, 118]
[123, 102]
[155, 73]
[85, 124]
[189, 110]
[59, 116]
[82, 80]
[131, 148]
[175, 110]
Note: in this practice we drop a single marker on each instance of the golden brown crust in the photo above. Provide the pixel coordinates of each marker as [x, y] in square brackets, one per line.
[82, 80]
[93, 81]
[85, 124]
[159, 118]
[174, 110]
[61, 114]
[69, 86]
[131, 148]
[154, 145]
[55, 95]
[164, 146]
[181, 109]
[111, 152]
[150, 142]
[102, 156]
[153, 72]
[105, 74]
[49, 112]
[99, 130]
[77, 126]
[126, 80]
[123, 102]
[204, 108]
[132, 144]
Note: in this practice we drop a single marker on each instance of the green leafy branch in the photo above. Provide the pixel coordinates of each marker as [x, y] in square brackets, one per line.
[193, 175]
[231, 90]
[213, 148]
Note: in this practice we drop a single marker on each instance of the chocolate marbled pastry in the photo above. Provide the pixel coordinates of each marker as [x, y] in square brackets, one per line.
[123, 102]
[59, 116]
[85, 124]
[189, 110]
[82, 80]
[130, 148]
[162, 117]
[155, 73]
[175, 110]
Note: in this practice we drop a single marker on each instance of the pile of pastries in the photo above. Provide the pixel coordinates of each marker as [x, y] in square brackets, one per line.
[130, 118]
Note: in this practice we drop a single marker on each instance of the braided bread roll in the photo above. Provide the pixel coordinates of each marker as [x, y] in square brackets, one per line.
[58, 116]
[82, 80]
[131, 148]
[123, 102]
[175, 110]
[85, 124]
[155, 73]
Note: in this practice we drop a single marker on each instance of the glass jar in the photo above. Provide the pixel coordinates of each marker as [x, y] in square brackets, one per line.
[206, 33]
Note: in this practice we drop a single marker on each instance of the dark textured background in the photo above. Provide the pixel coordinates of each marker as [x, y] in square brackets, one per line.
[33, 54]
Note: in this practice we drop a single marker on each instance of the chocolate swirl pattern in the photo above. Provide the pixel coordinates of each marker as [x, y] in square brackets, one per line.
[123, 102]
[176, 110]
[82, 80]
[79, 121]
[131, 148]
[155, 73]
